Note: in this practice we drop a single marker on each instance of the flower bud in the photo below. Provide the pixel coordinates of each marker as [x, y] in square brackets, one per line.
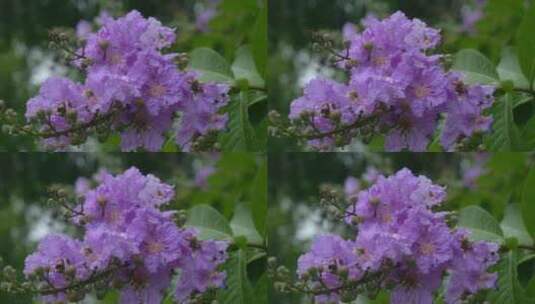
[272, 262]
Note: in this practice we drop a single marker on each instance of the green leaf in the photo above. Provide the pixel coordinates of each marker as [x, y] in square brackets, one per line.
[211, 66]
[482, 225]
[527, 206]
[530, 289]
[259, 40]
[261, 289]
[170, 145]
[244, 67]
[513, 226]
[476, 67]
[526, 258]
[242, 225]
[528, 134]
[211, 223]
[506, 136]
[238, 288]
[509, 290]
[241, 135]
[260, 202]
[509, 69]
[525, 40]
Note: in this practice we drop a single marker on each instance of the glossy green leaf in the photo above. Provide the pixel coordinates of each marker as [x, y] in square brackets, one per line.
[211, 66]
[238, 288]
[513, 226]
[505, 135]
[481, 224]
[241, 134]
[527, 206]
[476, 68]
[509, 69]
[526, 44]
[259, 45]
[242, 224]
[261, 289]
[509, 290]
[244, 67]
[260, 203]
[210, 223]
[530, 289]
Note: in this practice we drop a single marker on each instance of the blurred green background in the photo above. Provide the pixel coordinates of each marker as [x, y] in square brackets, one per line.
[295, 179]
[293, 62]
[25, 217]
[26, 59]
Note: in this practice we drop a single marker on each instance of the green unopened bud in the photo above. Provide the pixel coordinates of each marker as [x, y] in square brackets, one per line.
[26, 286]
[2, 105]
[272, 262]
[62, 192]
[283, 271]
[9, 272]
[6, 286]
[280, 286]
[333, 211]
[7, 129]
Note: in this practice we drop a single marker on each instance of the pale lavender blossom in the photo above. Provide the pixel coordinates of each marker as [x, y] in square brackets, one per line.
[396, 88]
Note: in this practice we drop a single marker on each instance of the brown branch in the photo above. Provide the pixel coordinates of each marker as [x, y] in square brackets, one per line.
[95, 277]
[357, 124]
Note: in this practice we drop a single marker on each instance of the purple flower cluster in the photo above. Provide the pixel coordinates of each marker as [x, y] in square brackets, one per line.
[471, 14]
[204, 17]
[131, 240]
[132, 81]
[395, 88]
[402, 244]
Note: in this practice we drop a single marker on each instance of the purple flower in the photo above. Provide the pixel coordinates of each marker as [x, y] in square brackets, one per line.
[57, 97]
[201, 178]
[471, 15]
[159, 240]
[117, 197]
[329, 255]
[58, 259]
[351, 187]
[465, 116]
[395, 88]
[129, 242]
[469, 273]
[83, 29]
[200, 270]
[403, 241]
[201, 112]
[148, 288]
[133, 83]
